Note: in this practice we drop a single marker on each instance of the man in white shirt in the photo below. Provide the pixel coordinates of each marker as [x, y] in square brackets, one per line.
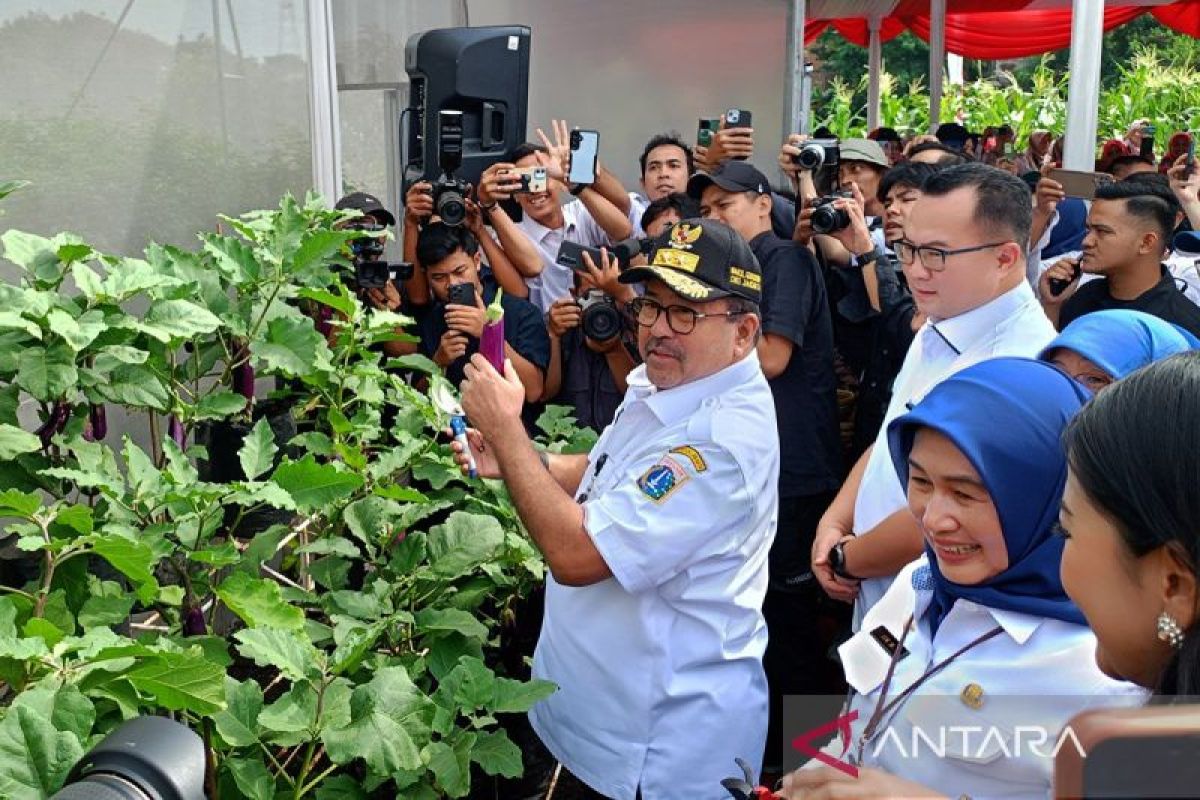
[656, 541]
[589, 219]
[964, 256]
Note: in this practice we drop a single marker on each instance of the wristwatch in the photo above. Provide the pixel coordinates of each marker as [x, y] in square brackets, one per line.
[867, 257]
[577, 189]
[837, 561]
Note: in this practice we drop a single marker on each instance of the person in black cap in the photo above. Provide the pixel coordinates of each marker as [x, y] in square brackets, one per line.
[377, 218]
[657, 540]
[796, 351]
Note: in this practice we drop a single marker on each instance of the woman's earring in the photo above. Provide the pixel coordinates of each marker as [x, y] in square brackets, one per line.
[1169, 630]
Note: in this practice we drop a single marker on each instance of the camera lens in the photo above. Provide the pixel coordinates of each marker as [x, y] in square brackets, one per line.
[451, 208]
[811, 156]
[601, 322]
[144, 758]
[827, 218]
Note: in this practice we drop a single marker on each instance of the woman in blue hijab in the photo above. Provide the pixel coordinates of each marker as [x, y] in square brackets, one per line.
[978, 633]
[1102, 347]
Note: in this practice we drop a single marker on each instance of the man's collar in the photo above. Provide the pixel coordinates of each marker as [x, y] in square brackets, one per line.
[960, 333]
[539, 231]
[673, 404]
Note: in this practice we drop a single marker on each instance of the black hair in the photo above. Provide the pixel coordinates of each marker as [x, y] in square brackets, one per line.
[438, 241]
[1127, 160]
[1003, 202]
[1147, 200]
[906, 173]
[950, 157]
[679, 202]
[1125, 451]
[952, 131]
[675, 140]
[884, 135]
[524, 150]
[823, 132]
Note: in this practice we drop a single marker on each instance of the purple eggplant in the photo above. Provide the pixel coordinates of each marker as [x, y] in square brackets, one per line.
[176, 432]
[59, 414]
[491, 343]
[243, 379]
[193, 621]
[324, 321]
[97, 422]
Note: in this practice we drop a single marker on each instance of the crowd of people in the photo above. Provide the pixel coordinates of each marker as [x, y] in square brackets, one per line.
[896, 426]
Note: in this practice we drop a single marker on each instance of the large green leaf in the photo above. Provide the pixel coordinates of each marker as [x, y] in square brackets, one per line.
[219, 405]
[452, 765]
[389, 721]
[46, 372]
[259, 602]
[314, 486]
[36, 757]
[496, 754]
[371, 518]
[14, 442]
[65, 707]
[136, 385]
[288, 651]
[516, 697]
[238, 722]
[13, 320]
[182, 682]
[340, 787]
[464, 542]
[101, 611]
[294, 712]
[180, 319]
[31, 252]
[253, 779]
[134, 560]
[144, 477]
[78, 332]
[257, 455]
[451, 619]
[293, 347]
[233, 257]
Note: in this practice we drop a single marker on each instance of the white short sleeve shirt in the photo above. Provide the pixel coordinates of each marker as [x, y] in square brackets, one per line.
[555, 280]
[660, 666]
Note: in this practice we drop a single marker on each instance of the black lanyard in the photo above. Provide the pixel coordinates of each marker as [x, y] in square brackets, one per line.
[882, 710]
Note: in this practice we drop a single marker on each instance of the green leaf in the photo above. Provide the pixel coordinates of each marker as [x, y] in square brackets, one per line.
[219, 405]
[65, 707]
[182, 682]
[451, 619]
[104, 611]
[77, 518]
[389, 717]
[496, 754]
[317, 247]
[370, 519]
[257, 455]
[471, 684]
[416, 362]
[464, 542]
[14, 503]
[13, 320]
[294, 712]
[238, 722]
[87, 280]
[259, 602]
[14, 442]
[132, 559]
[233, 257]
[253, 779]
[47, 372]
[132, 276]
[314, 442]
[451, 765]
[29, 251]
[135, 385]
[78, 333]
[514, 697]
[223, 554]
[293, 347]
[345, 305]
[144, 477]
[253, 494]
[314, 486]
[36, 757]
[290, 652]
[340, 787]
[179, 319]
[111, 357]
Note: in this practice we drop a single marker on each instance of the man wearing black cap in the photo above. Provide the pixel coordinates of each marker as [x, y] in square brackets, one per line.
[796, 351]
[657, 540]
[377, 218]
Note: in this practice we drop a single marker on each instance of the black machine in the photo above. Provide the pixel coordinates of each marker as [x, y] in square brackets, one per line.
[146, 758]
[483, 73]
[817, 153]
[827, 217]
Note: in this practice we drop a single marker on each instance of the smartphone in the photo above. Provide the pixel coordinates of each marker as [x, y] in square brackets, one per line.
[570, 254]
[708, 126]
[737, 118]
[1189, 163]
[1007, 149]
[461, 294]
[585, 150]
[1147, 150]
[1080, 184]
[533, 179]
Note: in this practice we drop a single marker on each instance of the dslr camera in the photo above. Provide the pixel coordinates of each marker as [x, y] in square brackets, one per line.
[370, 270]
[602, 321]
[817, 153]
[450, 193]
[828, 218]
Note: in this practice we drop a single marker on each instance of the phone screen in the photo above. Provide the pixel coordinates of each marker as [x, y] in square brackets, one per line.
[585, 149]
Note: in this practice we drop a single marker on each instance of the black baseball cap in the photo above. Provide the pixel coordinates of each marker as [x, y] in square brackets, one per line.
[367, 204]
[702, 260]
[730, 175]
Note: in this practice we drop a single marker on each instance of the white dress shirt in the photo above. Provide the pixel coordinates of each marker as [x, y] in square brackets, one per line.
[982, 716]
[659, 667]
[1012, 324]
[555, 281]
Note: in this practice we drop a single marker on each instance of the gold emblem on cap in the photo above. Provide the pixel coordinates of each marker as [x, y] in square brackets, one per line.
[972, 696]
[685, 234]
[676, 259]
[685, 286]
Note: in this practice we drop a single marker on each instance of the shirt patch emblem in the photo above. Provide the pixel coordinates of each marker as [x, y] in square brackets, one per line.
[692, 455]
[663, 479]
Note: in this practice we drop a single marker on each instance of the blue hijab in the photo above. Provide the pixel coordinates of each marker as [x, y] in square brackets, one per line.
[1120, 341]
[1006, 415]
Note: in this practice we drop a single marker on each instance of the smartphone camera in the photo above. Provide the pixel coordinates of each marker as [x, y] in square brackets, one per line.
[461, 294]
[737, 118]
[817, 153]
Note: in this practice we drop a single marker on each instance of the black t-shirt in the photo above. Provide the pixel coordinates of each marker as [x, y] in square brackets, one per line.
[524, 331]
[794, 306]
[1165, 301]
[588, 385]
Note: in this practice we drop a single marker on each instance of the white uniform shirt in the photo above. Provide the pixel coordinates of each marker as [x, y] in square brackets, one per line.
[1012, 324]
[555, 280]
[1046, 668]
[659, 668]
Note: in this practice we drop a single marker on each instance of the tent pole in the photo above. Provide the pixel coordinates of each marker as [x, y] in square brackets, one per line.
[937, 60]
[794, 74]
[874, 71]
[1083, 90]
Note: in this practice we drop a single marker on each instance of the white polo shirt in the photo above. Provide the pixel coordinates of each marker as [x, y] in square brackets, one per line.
[660, 666]
[555, 281]
[1012, 324]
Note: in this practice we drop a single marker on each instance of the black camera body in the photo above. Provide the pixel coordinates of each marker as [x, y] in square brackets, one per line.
[450, 193]
[817, 153]
[602, 321]
[370, 270]
[826, 217]
[461, 294]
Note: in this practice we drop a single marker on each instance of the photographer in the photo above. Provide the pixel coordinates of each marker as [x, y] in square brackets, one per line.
[738, 144]
[450, 258]
[589, 358]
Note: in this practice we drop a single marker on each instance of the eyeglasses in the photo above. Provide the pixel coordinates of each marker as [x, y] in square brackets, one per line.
[680, 319]
[933, 258]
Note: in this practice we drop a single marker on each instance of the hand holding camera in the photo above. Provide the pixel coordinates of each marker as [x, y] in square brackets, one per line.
[386, 298]
[735, 139]
[465, 311]
[564, 315]
[841, 216]
[606, 277]
[418, 202]
[1048, 194]
[451, 348]
[498, 182]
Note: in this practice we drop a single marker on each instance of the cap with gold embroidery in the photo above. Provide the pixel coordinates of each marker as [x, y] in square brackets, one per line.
[702, 260]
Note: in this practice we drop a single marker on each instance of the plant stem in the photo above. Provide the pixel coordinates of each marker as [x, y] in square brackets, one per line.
[14, 590]
[50, 565]
[311, 784]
